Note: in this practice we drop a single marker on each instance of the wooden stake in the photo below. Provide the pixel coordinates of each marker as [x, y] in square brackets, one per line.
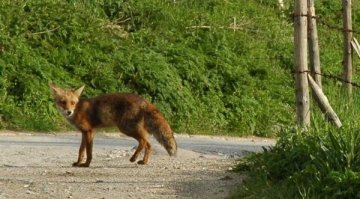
[314, 52]
[281, 5]
[323, 103]
[301, 64]
[347, 61]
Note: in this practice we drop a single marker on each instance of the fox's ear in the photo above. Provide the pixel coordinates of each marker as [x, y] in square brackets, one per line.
[56, 90]
[79, 91]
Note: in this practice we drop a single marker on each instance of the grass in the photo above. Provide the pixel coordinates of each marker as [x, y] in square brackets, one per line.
[321, 163]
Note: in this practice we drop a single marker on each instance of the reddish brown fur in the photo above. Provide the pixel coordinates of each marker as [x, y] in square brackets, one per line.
[132, 114]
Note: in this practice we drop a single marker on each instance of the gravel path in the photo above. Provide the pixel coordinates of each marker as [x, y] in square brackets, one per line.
[36, 165]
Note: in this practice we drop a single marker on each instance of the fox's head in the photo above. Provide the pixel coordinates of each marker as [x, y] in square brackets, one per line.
[66, 99]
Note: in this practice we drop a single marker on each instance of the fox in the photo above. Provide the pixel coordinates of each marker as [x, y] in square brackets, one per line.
[132, 114]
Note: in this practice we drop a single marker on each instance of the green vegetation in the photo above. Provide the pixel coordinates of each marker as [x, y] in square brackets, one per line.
[185, 56]
[212, 67]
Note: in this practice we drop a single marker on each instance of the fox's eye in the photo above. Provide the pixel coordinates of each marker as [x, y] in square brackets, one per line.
[62, 102]
[72, 103]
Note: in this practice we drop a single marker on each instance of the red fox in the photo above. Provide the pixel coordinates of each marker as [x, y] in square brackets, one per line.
[132, 114]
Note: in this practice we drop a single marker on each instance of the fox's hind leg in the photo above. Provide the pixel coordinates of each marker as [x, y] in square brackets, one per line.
[135, 129]
[143, 143]
[147, 153]
[139, 148]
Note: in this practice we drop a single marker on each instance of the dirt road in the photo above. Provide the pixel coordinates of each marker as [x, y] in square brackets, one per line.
[39, 166]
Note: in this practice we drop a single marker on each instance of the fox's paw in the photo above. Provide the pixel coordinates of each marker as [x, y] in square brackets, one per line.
[76, 164]
[133, 159]
[141, 162]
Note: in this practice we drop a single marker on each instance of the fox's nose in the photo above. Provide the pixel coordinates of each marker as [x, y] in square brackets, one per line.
[68, 112]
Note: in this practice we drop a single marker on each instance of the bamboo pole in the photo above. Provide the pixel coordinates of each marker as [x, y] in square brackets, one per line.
[314, 52]
[323, 103]
[347, 61]
[300, 61]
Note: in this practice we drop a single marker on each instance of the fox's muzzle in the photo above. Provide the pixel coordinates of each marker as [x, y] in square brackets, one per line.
[69, 113]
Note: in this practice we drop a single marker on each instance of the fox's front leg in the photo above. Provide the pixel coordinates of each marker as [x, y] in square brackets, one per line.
[86, 143]
[89, 137]
[81, 152]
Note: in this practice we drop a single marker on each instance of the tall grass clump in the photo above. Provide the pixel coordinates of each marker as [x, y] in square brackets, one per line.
[325, 165]
[321, 163]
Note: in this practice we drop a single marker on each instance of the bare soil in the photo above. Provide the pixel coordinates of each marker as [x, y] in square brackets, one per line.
[39, 166]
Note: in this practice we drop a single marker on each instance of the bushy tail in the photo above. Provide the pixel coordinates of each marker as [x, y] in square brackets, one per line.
[157, 125]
